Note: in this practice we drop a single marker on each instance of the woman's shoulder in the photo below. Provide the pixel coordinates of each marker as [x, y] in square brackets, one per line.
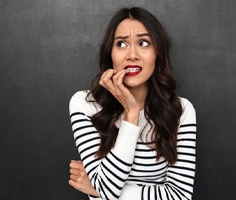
[185, 103]
[188, 112]
[83, 102]
[80, 95]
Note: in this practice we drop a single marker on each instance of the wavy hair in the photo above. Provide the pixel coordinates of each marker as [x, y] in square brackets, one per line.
[162, 107]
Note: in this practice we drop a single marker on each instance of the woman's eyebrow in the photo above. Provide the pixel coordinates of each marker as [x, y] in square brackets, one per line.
[121, 37]
[143, 34]
[125, 37]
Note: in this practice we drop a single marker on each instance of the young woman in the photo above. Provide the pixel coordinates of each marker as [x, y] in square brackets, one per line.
[135, 136]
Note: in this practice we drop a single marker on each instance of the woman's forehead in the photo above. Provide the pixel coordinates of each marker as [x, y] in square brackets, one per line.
[130, 26]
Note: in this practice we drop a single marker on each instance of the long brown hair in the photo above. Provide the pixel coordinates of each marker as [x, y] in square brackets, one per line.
[162, 107]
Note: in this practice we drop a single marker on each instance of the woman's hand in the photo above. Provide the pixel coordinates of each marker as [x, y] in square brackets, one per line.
[79, 179]
[112, 80]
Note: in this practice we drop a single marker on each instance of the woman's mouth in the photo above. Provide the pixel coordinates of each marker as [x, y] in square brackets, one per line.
[133, 70]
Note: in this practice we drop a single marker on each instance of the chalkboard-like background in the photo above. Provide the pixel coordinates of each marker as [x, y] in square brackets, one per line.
[49, 51]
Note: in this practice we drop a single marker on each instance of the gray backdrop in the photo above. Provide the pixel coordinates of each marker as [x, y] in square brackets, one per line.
[49, 51]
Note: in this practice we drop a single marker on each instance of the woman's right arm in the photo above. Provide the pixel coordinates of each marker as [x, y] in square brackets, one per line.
[107, 175]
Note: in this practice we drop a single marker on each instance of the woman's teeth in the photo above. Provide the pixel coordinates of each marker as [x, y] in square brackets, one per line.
[131, 70]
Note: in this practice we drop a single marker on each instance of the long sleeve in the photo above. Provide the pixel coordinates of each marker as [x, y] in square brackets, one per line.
[179, 177]
[107, 175]
[130, 169]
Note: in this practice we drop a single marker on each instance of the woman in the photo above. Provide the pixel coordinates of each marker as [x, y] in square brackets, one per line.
[135, 136]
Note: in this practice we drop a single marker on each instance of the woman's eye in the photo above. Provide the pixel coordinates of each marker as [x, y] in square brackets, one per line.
[121, 44]
[143, 43]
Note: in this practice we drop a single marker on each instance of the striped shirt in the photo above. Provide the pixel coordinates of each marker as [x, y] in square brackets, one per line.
[130, 170]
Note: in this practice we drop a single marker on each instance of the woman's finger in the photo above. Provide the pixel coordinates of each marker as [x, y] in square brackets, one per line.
[80, 178]
[106, 80]
[118, 84]
[74, 184]
[107, 75]
[118, 78]
[73, 177]
[77, 165]
[75, 171]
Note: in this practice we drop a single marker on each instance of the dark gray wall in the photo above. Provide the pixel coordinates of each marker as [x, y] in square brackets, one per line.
[49, 51]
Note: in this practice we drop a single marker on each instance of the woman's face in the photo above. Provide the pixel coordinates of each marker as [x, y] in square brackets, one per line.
[133, 49]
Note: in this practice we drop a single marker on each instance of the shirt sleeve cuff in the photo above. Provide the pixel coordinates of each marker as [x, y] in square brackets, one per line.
[126, 141]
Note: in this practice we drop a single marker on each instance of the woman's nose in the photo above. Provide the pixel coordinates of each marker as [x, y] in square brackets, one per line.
[132, 53]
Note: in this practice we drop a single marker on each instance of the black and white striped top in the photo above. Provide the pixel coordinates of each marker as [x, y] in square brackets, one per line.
[130, 170]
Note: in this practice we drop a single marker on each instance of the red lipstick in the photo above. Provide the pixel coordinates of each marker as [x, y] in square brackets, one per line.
[133, 70]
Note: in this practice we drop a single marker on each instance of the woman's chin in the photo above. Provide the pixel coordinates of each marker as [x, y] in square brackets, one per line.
[134, 84]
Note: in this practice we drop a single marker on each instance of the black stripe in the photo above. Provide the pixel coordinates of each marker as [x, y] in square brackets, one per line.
[121, 161]
[159, 192]
[186, 125]
[156, 170]
[145, 157]
[104, 193]
[187, 132]
[91, 162]
[144, 181]
[186, 139]
[186, 154]
[118, 168]
[173, 190]
[167, 195]
[88, 155]
[92, 170]
[177, 180]
[77, 113]
[111, 192]
[95, 185]
[149, 193]
[180, 189]
[180, 174]
[112, 182]
[117, 177]
[144, 143]
[86, 134]
[155, 176]
[93, 177]
[184, 168]
[79, 120]
[93, 182]
[90, 147]
[86, 141]
[186, 161]
[83, 127]
[150, 164]
[186, 146]
[145, 150]
[142, 192]
[155, 192]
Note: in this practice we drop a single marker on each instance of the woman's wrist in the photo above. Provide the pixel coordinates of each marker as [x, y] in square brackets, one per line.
[132, 116]
[94, 193]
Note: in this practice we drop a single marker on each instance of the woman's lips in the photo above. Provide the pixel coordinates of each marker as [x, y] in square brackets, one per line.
[133, 70]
